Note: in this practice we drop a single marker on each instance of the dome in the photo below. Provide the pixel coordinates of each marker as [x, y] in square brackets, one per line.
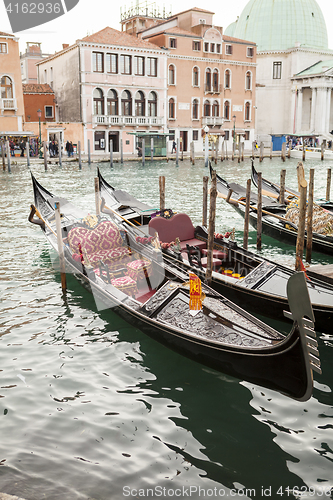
[281, 24]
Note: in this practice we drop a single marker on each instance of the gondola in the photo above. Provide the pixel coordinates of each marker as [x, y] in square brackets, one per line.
[220, 335]
[274, 223]
[246, 278]
[272, 190]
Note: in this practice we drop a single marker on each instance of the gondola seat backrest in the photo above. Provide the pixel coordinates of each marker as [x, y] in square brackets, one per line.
[179, 226]
[104, 242]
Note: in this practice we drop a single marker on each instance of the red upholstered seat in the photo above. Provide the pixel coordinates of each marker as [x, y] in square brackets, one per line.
[217, 254]
[103, 242]
[139, 269]
[179, 226]
[126, 284]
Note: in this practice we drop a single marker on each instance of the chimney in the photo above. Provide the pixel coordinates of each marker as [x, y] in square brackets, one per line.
[65, 45]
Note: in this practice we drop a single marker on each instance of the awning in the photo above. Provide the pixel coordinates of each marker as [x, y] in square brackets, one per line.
[8, 133]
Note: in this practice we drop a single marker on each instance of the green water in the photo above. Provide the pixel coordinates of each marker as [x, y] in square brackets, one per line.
[91, 408]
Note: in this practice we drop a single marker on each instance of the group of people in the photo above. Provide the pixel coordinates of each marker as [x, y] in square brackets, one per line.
[53, 149]
[69, 148]
[13, 145]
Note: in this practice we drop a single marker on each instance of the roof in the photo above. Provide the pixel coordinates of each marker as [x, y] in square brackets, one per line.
[317, 68]
[281, 25]
[176, 31]
[37, 88]
[110, 36]
[7, 34]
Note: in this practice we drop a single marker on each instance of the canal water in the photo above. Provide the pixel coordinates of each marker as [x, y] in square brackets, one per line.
[91, 408]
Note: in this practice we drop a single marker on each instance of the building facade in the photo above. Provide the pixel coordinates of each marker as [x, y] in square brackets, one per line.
[294, 84]
[11, 94]
[114, 84]
[211, 78]
[32, 55]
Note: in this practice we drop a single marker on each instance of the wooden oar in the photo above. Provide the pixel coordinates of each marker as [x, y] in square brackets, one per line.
[35, 211]
[105, 207]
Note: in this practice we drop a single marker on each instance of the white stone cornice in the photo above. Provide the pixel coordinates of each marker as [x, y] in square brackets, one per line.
[211, 61]
[122, 48]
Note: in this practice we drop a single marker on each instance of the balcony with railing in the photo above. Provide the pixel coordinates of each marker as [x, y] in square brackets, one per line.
[123, 121]
[8, 104]
[215, 88]
[212, 121]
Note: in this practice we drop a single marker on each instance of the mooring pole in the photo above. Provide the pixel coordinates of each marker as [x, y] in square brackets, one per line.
[152, 148]
[45, 155]
[143, 151]
[60, 247]
[301, 225]
[80, 161]
[89, 155]
[27, 149]
[162, 192]
[282, 186]
[246, 216]
[211, 229]
[309, 230]
[8, 156]
[322, 151]
[177, 152]
[111, 153]
[2, 143]
[328, 184]
[259, 211]
[60, 154]
[205, 201]
[97, 202]
[121, 151]
[283, 151]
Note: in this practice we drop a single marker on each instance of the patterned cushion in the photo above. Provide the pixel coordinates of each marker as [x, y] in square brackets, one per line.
[139, 269]
[125, 284]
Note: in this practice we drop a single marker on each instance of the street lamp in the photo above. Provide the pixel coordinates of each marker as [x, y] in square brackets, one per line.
[206, 130]
[234, 119]
[39, 114]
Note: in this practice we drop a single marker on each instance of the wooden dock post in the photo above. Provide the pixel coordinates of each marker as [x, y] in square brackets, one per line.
[239, 152]
[8, 156]
[261, 151]
[309, 231]
[111, 153]
[151, 148]
[97, 202]
[253, 148]
[322, 147]
[226, 151]
[121, 152]
[211, 229]
[289, 148]
[45, 155]
[143, 151]
[79, 151]
[216, 152]
[27, 150]
[205, 201]
[303, 156]
[259, 211]
[243, 146]
[162, 191]
[282, 186]
[2, 144]
[300, 174]
[177, 153]
[283, 151]
[233, 151]
[301, 225]
[182, 148]
[60, 155]
[89, 155]
[247, 212]
[60, 247]
[271, 151]
[328, 184]
[192, 153]
[222, 150]
[167, 151]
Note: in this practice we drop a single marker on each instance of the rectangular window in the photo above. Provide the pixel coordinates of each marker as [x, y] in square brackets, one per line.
[226, 135]
[250, 52]
[48, 111]
[151, 66]
[171, 135]
[277, 70]
[247, 135]
[228, 49]
[3, 48]
[173, 43]
[196, 45]
[206, 46]
[212, 47]
[218, 48]
[125, 65]
[98, 62]
[139, 65]
[195, 136]
[111, 61]
[45, 75]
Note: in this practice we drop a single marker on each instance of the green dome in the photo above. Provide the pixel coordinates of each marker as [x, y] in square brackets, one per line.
[280, 24]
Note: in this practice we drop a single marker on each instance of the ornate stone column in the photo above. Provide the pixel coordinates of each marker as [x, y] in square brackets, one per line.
[313, 109]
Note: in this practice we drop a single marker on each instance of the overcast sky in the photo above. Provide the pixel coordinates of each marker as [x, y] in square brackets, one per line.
[90, 16]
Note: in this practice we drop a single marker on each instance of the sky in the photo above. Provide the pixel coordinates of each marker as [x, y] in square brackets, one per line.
[90, 16]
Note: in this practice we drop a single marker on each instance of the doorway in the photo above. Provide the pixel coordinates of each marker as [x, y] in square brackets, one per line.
[183, 140]
[114, 137]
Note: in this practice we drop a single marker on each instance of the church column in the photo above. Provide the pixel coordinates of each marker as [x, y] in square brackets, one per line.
[313, 109]
[293, 110]
[328, 110]
[321, 110]
[299, 111]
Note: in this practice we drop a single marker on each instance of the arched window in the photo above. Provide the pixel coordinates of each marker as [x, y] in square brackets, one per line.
[6, 88]
[248, 80]
[152, 104]
[195, 109]
[172, 108]
[139, 104]
[126, 103]
[227, 79]
[216, 108]
[206, 108]
[195, 76]
[98, 97]
[172, 75]
[247, 111]
[208, 80]
[216, 80]
[227, 110]
[112, 102]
